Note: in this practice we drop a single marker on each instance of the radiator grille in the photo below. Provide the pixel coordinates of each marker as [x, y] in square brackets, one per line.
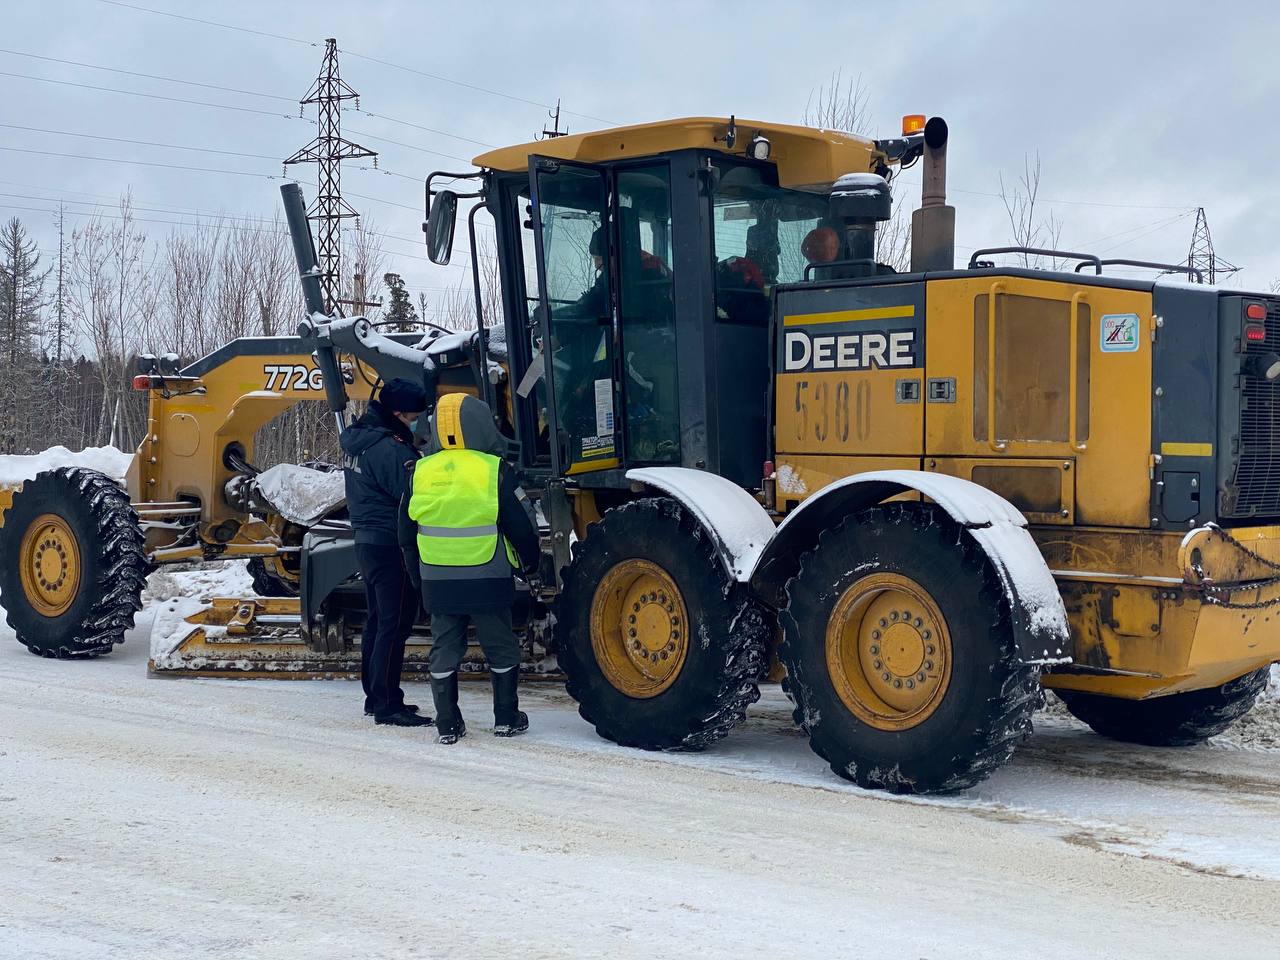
[1258, 469]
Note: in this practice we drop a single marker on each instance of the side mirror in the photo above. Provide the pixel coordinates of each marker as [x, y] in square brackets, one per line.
[439, 226]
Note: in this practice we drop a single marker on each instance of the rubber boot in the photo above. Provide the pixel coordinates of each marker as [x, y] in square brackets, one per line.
[450, 726]
[508, 719]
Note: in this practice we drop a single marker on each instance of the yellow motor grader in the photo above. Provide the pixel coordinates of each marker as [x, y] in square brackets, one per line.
[921, 496]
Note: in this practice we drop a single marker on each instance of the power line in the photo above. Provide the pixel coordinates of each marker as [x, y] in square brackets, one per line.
[150, 96]
[386, 63]
[147, 76]
[143, 143]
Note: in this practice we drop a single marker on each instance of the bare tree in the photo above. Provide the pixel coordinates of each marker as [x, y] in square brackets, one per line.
[1030, 227]
[844, 104]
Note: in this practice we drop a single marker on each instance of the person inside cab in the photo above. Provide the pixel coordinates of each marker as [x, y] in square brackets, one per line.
[465, 528]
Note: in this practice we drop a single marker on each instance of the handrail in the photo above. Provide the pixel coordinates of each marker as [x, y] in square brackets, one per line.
[1040, 252]
[997, 445]
[1073, 386]
[1152, 265]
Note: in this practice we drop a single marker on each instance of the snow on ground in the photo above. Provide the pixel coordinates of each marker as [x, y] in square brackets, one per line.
[148, 818]
[15, 469]
[174, 593]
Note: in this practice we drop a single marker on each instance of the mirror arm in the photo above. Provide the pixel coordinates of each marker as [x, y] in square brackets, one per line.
[482, 332]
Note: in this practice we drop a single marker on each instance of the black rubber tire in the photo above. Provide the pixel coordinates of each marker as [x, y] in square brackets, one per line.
[1177, 720]
[266, 583]
[718, 680]
[986, 710]
[113, 565]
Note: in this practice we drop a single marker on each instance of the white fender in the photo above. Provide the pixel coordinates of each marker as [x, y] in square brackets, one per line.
[739, 526]
[1039, 617]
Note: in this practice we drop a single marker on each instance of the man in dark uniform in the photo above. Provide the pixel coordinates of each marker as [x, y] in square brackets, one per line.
[377, 453]
[466, 526]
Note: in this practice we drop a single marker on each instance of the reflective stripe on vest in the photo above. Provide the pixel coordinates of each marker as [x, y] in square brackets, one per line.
[454, 501]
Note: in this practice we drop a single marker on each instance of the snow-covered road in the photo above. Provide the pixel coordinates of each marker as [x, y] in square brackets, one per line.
[182, 818]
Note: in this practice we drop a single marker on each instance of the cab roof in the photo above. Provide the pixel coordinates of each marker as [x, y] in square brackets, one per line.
[804, 156]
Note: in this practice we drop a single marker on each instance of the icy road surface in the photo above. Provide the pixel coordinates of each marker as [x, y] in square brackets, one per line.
[187, 818]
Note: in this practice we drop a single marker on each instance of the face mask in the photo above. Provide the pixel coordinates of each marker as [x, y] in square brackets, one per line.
[413, 426]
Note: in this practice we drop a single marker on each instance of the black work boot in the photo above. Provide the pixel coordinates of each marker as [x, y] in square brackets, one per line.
[508, 719]
[402, 718]
[449, 723]
[406, 707]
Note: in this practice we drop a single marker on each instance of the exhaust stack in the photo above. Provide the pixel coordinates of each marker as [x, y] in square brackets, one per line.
[933, 226]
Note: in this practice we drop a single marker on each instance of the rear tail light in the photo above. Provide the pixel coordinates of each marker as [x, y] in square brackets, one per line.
[1255, 332]
[1256, 311]
[142, 382]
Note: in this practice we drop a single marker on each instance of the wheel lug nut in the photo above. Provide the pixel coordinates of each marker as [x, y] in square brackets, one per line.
[875, 649]
[928, 664]
[884, 622]
[926, 634]
[671, 647]
[631, 632]
[918, 622]
[894, 615]
[897, 684]
[906, 614]
[885, 675]
[921, 676]
[631, 619]
[877, 665]
[664, 654]
[875, 634]
[911, 684]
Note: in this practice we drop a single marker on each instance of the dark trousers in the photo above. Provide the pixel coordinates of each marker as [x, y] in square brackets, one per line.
[393, 606]
[493, 630]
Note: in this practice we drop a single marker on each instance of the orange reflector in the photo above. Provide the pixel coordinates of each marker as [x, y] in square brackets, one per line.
[912, 123]
[1255, 311]
[142, 382]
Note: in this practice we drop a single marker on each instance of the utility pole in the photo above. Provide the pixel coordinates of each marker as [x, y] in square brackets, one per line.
[1202, 257]
[327, 151]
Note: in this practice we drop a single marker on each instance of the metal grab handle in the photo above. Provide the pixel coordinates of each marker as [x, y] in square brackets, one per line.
[1073, 386]
[1039, 252]
[998, 446]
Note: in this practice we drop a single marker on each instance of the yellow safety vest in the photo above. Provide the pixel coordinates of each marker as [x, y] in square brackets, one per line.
[454, 502]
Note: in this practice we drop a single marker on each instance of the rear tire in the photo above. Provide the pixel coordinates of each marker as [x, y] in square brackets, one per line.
[649, 566]
[900, 654]
[72, 566]
[1178, 720]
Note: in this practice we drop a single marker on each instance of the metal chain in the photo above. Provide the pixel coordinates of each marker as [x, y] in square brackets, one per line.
[1222, 595]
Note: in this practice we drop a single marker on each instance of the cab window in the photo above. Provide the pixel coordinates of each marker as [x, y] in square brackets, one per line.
[759, 231]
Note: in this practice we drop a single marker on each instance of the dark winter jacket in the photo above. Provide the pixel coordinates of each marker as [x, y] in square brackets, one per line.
[515, 523]
[377, 451]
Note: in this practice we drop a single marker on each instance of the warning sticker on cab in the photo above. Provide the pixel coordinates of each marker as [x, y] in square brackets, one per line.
[1119, 333]
[604, 407]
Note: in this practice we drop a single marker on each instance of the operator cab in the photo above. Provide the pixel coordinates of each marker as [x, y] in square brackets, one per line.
[647, 258]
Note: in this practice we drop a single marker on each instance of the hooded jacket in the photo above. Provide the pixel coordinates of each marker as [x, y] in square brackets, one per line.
[377, 452]
[473, 429]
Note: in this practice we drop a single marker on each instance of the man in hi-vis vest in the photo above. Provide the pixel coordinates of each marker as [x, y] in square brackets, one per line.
[466, 527]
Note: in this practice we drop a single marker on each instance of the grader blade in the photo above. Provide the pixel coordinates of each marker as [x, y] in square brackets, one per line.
[258, 638]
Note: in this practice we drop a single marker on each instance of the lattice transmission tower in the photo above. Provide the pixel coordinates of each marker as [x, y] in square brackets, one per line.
[327, 151]
[1202, 256]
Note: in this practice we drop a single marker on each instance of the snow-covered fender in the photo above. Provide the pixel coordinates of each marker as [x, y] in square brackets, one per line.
[996, 525]
[735, 521]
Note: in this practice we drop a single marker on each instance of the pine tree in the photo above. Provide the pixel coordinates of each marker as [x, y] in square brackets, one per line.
[400, 314]
[21, 299]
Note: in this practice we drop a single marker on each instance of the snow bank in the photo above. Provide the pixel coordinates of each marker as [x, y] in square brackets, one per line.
[15, 469]
[301, 494]
[1260, 727]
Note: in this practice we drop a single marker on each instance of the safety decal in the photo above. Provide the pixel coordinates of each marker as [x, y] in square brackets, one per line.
[604, 407]
[1119, 333]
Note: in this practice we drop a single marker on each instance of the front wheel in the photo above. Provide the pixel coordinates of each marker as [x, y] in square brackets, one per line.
[659, 645]
[900, 653]
[72, 565]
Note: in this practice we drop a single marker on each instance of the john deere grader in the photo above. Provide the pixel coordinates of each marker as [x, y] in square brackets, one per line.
[920, 497]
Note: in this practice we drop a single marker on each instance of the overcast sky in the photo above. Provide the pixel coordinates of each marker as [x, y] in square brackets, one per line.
[1140, 112]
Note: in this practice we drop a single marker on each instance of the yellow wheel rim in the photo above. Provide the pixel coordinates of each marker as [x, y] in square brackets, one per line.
[889, 651]
[639, 628]
[49, 565]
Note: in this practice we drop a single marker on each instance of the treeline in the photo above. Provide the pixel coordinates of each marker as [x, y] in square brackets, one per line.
[74, 319]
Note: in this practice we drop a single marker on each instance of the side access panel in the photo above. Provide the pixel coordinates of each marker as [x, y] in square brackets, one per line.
[849, 364]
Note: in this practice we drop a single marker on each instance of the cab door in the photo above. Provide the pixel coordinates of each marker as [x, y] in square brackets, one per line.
[577, 396]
